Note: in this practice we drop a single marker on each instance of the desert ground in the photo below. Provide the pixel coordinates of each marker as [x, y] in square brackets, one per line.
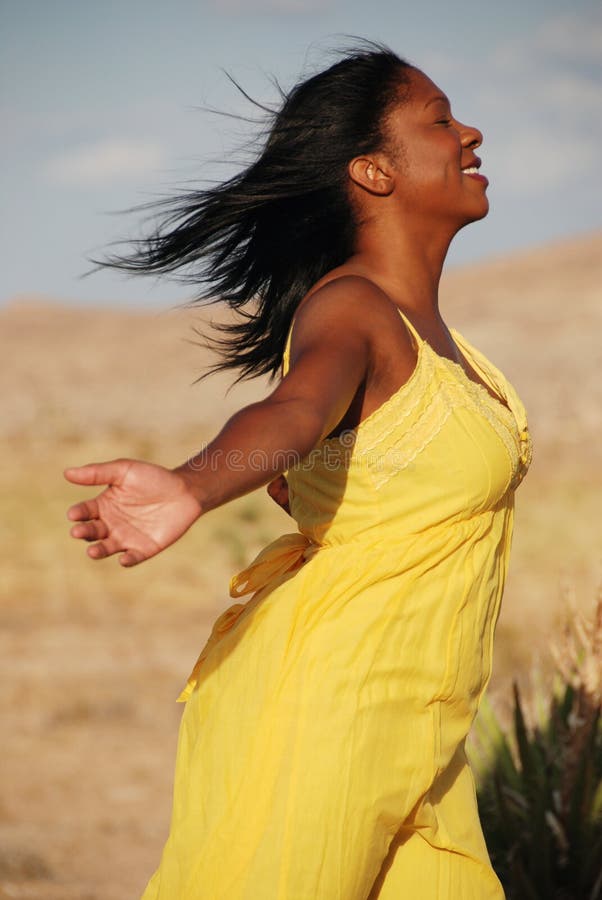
[94, 656]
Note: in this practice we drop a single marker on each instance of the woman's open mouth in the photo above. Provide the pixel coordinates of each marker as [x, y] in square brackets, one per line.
[473, 172]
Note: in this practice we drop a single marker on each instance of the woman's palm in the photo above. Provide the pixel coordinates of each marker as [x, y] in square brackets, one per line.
[144, 509]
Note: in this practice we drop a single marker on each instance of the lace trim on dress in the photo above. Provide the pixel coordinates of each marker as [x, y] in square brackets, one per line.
[387, 457]
[369, 438]
[402, 452]
[500, 417]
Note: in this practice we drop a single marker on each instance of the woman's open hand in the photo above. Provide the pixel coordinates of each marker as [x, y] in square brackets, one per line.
[144, 509]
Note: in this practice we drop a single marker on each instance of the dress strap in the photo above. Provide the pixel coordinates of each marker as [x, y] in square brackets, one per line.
[417, 338]
[287, 349]
[287, 345]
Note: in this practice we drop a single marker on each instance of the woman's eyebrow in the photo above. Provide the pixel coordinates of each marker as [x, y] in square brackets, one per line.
[435, 98]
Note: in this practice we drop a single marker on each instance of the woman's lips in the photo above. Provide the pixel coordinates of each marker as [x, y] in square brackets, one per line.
[477, 177]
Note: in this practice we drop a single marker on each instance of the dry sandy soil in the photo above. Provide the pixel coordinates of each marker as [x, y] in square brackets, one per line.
[93, 656]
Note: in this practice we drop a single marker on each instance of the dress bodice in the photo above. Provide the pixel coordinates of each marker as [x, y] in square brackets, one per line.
[440, 451]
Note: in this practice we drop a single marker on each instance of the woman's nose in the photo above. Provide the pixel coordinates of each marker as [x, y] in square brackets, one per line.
[471, 136]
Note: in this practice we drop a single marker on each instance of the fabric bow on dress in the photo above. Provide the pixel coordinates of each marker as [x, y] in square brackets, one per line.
[286, 554]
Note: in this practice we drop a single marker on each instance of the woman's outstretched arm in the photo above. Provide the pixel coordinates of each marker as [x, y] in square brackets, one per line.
[145, 508]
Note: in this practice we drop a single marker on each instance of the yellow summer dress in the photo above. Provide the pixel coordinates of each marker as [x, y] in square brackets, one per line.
[321, 753]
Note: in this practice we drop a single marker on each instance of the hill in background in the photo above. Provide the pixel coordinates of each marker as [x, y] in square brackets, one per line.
[536, 314]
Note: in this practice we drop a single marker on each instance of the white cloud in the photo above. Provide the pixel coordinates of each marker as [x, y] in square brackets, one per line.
[561, 40]
[104, 161]
[573, 37]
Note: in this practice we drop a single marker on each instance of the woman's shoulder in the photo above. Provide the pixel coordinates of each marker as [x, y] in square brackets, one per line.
[351, 311]
[351, 299]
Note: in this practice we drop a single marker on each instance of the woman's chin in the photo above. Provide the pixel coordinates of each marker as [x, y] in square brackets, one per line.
[475, 215]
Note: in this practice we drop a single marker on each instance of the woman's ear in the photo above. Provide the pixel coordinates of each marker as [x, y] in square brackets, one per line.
[371, 174]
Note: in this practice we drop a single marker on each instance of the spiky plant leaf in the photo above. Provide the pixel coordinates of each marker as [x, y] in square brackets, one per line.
[540, 786]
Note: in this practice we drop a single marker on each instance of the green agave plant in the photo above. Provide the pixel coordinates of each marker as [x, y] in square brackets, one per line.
[539, 783]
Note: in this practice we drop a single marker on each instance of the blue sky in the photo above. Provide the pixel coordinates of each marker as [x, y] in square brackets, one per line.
[101, 111]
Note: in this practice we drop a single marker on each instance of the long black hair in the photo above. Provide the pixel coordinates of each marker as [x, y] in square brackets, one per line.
[261, 239]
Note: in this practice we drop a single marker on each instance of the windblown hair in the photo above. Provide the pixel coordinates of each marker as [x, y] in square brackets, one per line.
[261, 239]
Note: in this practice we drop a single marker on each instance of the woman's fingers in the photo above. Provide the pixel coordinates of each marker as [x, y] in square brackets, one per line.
[90, 531]
[80, 512]
[131, 558]
[97, 551]
[278, 491]
[141, 510]
[112, 472]
[105, 548]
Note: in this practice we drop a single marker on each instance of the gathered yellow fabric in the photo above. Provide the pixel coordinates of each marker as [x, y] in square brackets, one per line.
[281, 556]
[321, 753]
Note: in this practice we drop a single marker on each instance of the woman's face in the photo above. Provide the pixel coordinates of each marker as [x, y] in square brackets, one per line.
[431, 152]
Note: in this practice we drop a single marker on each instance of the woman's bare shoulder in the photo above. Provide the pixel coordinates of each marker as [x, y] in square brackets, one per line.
[349, 302]
[348, 335]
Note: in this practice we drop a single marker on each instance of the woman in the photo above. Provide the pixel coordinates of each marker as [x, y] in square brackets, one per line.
[322, 747]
